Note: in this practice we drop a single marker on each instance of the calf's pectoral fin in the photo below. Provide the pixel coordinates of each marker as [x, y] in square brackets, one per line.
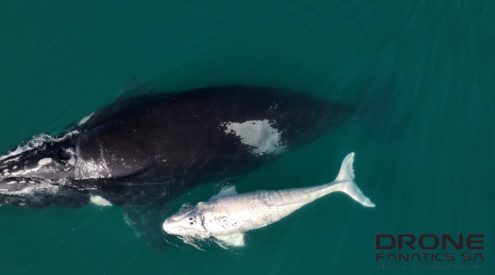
[231, 240]
[226, 191]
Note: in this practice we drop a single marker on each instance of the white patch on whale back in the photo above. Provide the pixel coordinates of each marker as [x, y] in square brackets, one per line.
[84, 119]
[99, 200]
[259, 134]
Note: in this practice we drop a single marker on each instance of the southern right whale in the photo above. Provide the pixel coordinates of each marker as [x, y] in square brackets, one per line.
[148, 148]
[227, 216]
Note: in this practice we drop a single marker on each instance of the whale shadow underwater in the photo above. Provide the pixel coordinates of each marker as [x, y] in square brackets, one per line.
[144, 150]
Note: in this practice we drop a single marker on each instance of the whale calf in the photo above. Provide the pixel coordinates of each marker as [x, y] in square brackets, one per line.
[227, 216]
[146, 148]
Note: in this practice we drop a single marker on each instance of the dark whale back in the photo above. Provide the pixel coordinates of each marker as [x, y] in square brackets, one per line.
[151, 146]
[162, 136]
[183, 135]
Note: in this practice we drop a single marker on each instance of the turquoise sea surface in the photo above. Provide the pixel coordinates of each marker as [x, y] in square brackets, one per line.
[425, 141]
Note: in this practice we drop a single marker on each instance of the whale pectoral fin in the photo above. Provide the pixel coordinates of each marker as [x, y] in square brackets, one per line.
[226, 191]
[99, 200]
[232, 240]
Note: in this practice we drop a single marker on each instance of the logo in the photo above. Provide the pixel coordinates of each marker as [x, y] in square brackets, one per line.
[429, 251]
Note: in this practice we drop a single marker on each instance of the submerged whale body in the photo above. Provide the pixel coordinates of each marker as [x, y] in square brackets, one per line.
[149, 147]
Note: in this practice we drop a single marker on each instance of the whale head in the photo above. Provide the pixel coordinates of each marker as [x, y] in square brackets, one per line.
[33, 172]
[187, 223]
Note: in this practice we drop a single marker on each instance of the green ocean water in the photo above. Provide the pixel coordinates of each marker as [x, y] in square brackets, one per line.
[424, 147]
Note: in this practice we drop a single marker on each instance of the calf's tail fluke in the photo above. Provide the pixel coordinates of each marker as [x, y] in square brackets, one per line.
[346, 184]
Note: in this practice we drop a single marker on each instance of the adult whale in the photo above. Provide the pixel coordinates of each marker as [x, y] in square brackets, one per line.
[153, 146]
